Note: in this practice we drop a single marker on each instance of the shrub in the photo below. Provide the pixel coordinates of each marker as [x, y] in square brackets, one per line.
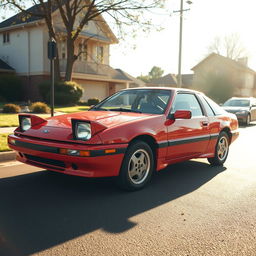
[11, 88]
[11, 108]
[39, 107]
[93, 101]
[82, 103]
[66, 93]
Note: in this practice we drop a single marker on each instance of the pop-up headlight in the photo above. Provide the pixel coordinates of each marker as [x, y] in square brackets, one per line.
[83, 131]
[25, 123]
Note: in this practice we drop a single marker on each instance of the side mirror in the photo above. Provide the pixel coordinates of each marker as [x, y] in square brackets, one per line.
[182, 114]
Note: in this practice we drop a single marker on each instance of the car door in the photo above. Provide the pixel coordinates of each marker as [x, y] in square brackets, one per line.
[188, 137]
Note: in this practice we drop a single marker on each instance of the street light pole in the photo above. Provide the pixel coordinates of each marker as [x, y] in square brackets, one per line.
[180, 44]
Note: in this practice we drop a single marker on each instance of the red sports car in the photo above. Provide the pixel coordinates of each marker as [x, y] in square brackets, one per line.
[129, 135]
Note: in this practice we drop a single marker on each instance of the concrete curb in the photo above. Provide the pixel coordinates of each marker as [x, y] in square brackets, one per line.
[7, 156]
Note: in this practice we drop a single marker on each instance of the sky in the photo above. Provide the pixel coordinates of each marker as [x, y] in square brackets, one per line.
[205, 20]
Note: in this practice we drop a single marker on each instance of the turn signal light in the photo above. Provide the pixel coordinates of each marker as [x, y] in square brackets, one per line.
[63, 151]
[110, 151]
[84, 153]
[74, 152]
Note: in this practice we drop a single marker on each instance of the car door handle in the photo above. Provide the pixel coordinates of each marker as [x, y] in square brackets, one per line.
[205, 123]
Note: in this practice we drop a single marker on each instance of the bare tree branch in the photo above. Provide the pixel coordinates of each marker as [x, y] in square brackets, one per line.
[229, 46]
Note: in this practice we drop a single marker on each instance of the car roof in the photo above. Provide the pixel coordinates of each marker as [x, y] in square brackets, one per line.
[242, 98]
[165, 88]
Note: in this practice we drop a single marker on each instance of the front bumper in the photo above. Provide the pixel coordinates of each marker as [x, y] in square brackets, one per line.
[242, 118]
[102, 161]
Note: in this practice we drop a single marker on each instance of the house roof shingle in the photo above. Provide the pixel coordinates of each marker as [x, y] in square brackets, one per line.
[22, 17]
[135, 82]
[169, 79]
[226, 60]
[105, 71]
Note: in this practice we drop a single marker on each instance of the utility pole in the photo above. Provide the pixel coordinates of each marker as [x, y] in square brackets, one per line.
[180, 40]
[180, 44]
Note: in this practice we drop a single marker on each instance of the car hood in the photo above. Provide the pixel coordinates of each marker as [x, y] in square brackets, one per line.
[106, 118]
[60, 127]
[235, 109]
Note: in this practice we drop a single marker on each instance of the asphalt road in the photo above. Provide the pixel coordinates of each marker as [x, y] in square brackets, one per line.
[188, 209]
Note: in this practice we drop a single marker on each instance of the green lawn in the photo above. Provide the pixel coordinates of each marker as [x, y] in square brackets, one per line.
[72, 109]
[11, 120]
[3, 142]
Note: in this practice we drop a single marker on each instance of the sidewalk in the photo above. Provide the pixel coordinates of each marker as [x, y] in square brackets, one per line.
[7, 129]
[9, 155]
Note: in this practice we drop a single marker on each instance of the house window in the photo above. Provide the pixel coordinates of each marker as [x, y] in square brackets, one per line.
[6, 37]
[100, 54]
[83, 52]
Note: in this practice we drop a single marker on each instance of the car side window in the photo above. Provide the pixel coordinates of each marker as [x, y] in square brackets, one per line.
[187, 101]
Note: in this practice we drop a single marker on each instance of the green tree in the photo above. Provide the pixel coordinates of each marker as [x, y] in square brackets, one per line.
[155, 72]
[230, 46]
[143, 78]
[76, 14]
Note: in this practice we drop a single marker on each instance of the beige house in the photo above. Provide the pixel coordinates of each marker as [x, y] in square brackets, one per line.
[241, 76]
[23, 46]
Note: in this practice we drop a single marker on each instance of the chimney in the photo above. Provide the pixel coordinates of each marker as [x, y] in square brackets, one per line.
[243, 61]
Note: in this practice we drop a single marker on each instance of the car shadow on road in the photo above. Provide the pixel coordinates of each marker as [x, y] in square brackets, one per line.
[44, 209]
[246, 126]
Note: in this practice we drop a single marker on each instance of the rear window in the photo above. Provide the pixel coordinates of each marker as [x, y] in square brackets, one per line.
[207, 107]
[214, 106]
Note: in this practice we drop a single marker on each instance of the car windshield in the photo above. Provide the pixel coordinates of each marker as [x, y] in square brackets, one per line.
[237, 103]
[151, 101]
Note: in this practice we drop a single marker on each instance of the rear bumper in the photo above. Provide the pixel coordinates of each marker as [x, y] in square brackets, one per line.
[103, 161]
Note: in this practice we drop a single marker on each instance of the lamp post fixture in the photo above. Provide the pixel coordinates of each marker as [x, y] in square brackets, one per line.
[180, 40]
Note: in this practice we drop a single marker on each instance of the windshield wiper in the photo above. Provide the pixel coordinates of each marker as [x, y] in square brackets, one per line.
[124, 110]
[100, 109]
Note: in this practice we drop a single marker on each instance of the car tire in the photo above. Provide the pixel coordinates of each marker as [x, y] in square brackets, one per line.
[221, 150]
[248, 120]
[137, 167]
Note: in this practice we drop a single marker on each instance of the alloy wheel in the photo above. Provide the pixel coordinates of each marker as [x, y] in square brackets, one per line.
[139, 166]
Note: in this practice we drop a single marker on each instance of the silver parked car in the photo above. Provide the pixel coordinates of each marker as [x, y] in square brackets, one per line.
[243, 108]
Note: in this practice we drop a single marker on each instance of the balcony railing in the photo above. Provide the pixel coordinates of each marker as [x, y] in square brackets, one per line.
[85, 67]
[93, 68]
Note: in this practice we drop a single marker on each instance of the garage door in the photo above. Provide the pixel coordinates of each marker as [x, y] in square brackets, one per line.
[99, 91]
